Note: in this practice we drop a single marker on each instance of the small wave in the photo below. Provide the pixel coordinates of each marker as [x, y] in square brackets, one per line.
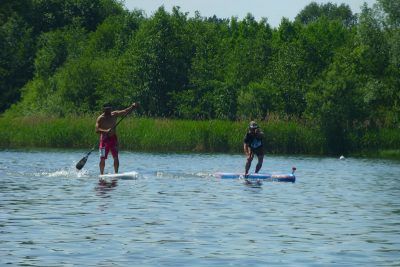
[68, 173]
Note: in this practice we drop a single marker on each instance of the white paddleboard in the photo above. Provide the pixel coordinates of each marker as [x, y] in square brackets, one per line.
[123, 176]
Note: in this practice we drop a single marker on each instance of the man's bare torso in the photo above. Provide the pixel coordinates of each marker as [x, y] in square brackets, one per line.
[107, 122]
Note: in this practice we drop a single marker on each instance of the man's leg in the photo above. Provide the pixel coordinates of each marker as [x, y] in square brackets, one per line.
[116, 164]
[260, 162]
[102, 164]
[248, 163]
[114, 152]
[103, 157]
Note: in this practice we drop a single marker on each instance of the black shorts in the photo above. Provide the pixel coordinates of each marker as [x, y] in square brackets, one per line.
[259, 151]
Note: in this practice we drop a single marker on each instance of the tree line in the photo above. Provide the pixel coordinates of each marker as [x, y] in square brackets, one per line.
[329, 67]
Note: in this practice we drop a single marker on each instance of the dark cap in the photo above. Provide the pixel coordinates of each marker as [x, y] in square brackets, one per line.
[107, 105]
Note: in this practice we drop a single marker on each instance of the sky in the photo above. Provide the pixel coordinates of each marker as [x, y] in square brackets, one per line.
[273, 10]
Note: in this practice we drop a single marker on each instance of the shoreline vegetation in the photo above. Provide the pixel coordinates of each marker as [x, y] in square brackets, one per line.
[207, 136]
[325, 83]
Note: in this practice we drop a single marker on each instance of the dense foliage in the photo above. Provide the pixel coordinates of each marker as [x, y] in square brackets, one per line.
[171, 135]
[329, 68]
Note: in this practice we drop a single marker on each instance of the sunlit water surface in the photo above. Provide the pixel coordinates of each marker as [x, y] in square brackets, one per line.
[339, 212]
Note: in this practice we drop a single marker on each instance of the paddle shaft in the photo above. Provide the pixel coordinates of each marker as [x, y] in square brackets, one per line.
[123, 117]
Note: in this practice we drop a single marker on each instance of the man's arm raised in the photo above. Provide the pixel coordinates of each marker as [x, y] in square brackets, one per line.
[125, 111]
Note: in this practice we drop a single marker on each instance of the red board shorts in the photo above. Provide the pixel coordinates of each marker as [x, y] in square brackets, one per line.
[108, 143]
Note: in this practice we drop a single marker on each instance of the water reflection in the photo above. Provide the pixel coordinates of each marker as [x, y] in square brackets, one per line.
[104, 187]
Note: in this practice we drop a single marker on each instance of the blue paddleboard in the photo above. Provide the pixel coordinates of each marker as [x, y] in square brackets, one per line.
[259, 176]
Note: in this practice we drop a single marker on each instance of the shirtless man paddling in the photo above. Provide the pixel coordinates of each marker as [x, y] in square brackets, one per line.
[105, 126]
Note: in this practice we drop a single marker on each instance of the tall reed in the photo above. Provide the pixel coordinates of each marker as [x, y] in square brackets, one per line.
[167, 135]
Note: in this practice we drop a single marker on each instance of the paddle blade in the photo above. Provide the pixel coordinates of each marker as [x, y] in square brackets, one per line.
[82, 162]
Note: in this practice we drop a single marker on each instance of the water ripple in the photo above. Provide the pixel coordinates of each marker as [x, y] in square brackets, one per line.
[341, 213]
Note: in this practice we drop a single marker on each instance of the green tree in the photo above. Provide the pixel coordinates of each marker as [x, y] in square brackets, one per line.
[12, 8]
[76, 85]
[320, 40]
[257, 100]
[54, 14]
[373, 45]
[158, 60]
[202, 95]
[335, 102]
[112, 36]
[392, 9]
[315, 11]
[287, 69]
[52, 52]
[16, 49]
[251, 51]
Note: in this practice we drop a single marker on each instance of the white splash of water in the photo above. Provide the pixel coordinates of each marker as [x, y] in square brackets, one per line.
[70, 172]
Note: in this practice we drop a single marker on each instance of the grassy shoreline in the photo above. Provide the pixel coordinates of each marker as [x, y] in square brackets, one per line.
[167, 135]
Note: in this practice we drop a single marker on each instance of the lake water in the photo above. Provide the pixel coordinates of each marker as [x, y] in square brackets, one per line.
[339, 212]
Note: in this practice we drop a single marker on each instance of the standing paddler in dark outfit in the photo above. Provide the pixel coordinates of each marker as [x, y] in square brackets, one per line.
[253, 144]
